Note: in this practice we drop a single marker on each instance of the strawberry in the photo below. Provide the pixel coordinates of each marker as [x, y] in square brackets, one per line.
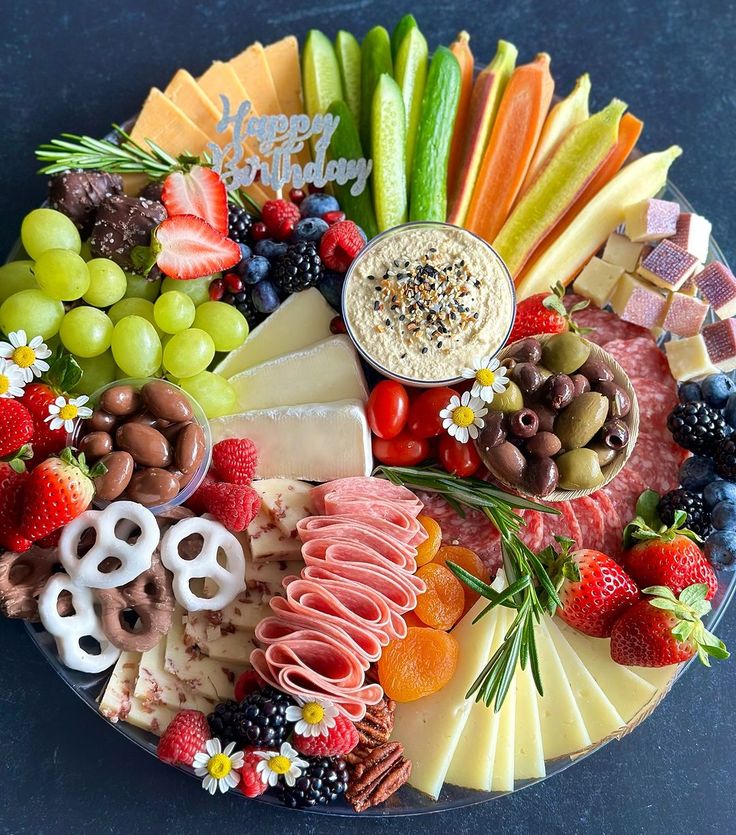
[234, 505]
[656, 555]
[11, 504]
[280, 217]
[340, 244]
[187, 247]
[593, 589]
[37, 397]
[665, 629]
[186, 735]
[235, 460]
[340, 739]
[199, 192]
[16, 430]
[57, 491]
[251, 782]
[545, 313]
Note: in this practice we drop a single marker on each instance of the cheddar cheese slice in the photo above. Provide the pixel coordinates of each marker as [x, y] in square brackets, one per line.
[164, 123]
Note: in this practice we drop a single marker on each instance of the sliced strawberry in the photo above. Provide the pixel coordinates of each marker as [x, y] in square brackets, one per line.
[199, 192]
[188, 247]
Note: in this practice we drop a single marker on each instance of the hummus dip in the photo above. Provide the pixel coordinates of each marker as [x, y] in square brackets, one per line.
[423, 299]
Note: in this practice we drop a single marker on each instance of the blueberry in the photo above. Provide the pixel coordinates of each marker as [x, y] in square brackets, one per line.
[689, 392]
[720, 549]
[723, 515]
[696, 473]
[316, 205]
[331, 288]
[716, 390]
[719, 491]
[256, 269]
[730, 411]
[270, 249]
[265, 298]
[310, 229]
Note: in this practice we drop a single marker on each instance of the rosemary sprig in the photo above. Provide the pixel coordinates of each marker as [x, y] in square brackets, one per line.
[530, 591]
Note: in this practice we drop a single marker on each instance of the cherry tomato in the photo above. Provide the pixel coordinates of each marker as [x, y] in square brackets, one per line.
[458, 459]
[401, 451]
[424, 413]
[387, 409]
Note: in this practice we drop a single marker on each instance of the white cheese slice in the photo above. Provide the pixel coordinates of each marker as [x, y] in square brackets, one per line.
[627, 691]
[157, 685]
[115, 699]
[303, 319]
[268, 543]
[219, 641]
[312, 442]
[502, 779]
[328, 370]
[286, 500]
[430, 728]
[150, 717]
[528, 747]
[600, 716]
[659, 677]
[563, 728]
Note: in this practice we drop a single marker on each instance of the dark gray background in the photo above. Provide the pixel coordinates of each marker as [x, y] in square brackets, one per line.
[78, 66]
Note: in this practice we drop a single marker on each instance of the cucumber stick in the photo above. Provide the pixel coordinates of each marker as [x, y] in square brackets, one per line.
[320, 73]
[410, 71]
[345, 143]
[428, 199]
[388, 140]
[347, 49]
[400, 31]
[375, 55]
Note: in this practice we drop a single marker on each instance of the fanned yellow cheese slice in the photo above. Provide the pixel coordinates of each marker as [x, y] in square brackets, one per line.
[252, 70]
[222, 80]
[502, 779]
[528, 747]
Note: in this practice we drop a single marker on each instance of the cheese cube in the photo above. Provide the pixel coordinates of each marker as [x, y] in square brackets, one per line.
[637, 302]
[693, 235]
[720, 342]
[688, 358]
[684, 315]
[286, 500]
[668, 266]
[717, 283]
[597, 281]
[651, 220]
[268, 543]
[621, 251]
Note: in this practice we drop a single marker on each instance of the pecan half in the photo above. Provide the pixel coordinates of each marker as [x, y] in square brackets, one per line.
[380, 774]
[376, 726]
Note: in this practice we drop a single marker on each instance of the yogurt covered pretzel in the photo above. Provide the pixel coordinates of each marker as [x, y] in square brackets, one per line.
[229, 579]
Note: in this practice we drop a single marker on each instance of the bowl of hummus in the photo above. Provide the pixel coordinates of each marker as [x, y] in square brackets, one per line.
[423, 299]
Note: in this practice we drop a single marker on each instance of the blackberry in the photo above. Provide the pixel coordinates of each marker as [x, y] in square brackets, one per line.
[243, 302]
[259, 720]
[322, 782]
[696, 426]
[724, 454]
[239, 222]
[698, 519]
[298, 269]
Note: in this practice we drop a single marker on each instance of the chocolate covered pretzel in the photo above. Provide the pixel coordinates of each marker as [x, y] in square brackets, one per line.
[22, 577]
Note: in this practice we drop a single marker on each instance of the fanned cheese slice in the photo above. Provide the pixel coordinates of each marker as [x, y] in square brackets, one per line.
[219, 642]
[222, 80]
[156, 685]
[286, 501]
[116, 697]
[659, 677]
[268, 543]
[502, 779]
[150, 717]
[168, 126]
[528, 747]
[282, 58]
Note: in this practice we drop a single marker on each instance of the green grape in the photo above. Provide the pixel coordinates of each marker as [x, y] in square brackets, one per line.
[136, 347]
[140, 287]
[214, 393]
[131, 307]
[86, 251]
[198, 289]
[14, 277]
[96, 373]
[44, 229]
[32, 311]
[225, 324]
[86, 332]
[174, 311]
[62, 274]
[107, 283]
[189, 352]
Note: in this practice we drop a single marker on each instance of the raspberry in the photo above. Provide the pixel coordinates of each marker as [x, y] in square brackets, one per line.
[277, 213]
[195, 502]
[185, 736]
[340, 739]
[251, 783]
[340, 244]
[235, 460]
[247, 683]
[234, 505]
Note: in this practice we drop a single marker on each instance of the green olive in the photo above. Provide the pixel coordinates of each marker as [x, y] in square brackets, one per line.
[565, 352]
[576, 424]
[605, 453]
[579, 469]
[511, 399]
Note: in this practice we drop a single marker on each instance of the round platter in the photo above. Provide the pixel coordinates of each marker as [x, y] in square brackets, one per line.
[407, 801]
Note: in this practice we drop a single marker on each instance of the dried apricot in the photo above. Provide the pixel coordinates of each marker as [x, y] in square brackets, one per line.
[428, 549]
[468, 560]
[418, 665]
[412, 620]
[442, 604]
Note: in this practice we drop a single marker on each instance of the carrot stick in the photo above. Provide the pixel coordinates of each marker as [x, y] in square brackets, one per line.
[511, 147]
[460, 48]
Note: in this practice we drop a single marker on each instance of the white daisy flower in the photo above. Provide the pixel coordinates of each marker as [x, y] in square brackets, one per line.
[489, 377]
[218, 768]
[284, 763]
[463, 417]
[28, 356]
[313, 718]
[12, 381]
[63, 412]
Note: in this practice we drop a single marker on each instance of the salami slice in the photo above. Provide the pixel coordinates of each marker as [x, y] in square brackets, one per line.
[656, 400]
[623, 493]
[592, 524]
[532, 532]
[605, 325]
[639, 357]
[573, 525]
[657, 461]
[555, 525]
[612, 530]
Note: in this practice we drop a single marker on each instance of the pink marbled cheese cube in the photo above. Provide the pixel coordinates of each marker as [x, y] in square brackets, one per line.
[637, 303]
[717, 283]
[668, 266]
[651, 220]
[693, 234]
[720, 340]
[684, 315]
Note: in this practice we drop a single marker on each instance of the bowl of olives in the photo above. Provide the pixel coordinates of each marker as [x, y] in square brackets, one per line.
[566, 423]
